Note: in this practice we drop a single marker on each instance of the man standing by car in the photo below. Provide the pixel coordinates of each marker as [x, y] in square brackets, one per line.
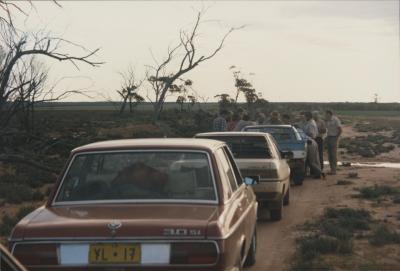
[310, 127]
[219, 123]
[334, 130]
[311, 130]
[320, 137]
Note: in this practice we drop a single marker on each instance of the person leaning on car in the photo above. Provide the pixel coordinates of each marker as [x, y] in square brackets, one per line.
[311, 130]
[334, 130]
[320, 137]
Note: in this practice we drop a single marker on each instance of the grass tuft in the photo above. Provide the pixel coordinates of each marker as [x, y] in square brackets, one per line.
[383, 236]
[377, 191]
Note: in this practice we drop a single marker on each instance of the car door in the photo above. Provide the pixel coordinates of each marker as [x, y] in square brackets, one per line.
[246, 199]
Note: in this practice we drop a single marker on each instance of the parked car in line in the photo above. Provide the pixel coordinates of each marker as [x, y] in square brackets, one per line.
[291, 141]
[8, 262]
[258, 157]
[143, 204]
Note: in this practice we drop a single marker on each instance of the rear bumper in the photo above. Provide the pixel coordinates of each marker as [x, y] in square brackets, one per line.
[270, 194]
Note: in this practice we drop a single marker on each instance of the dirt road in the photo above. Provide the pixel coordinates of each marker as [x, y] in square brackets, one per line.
[276, 240]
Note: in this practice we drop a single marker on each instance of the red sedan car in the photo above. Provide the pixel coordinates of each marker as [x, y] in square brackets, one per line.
[147, 204]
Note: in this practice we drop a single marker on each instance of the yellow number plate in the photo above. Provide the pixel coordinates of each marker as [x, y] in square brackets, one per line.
[114, 254]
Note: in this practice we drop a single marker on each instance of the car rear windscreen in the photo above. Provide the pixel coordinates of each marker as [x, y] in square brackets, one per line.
[142, 175]
[246, 146]
[280, 134]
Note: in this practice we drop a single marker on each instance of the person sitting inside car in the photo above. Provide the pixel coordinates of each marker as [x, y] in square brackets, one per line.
[140, 179]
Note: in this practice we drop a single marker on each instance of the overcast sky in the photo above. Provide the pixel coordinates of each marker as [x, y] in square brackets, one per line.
[317, 51]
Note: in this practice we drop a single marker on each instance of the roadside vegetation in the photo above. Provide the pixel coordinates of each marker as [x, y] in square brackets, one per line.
[378, 135]
[8, 222]
[333, 233]
[379, 192]
[330, 242]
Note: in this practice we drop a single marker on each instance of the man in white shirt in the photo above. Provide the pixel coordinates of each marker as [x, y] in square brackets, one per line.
[334, 130]
[310, 126]
[313, 162]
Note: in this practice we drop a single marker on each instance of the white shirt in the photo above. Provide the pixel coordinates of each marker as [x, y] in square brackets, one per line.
[333, 126]
[311, 129]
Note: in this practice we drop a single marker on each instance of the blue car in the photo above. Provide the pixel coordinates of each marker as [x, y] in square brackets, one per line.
[292, 142]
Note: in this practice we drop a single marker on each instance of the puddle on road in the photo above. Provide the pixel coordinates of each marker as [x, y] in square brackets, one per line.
[371, 164]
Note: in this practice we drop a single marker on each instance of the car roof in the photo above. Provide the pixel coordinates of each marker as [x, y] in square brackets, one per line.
[167, 143]
[271, 125]
[244, 133]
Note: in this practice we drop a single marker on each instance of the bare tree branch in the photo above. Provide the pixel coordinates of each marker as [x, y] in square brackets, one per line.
[162, 76]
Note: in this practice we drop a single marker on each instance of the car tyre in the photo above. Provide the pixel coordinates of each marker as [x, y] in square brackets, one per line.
[286, 199]
[238, 265]
[251, 255]
[276, 214]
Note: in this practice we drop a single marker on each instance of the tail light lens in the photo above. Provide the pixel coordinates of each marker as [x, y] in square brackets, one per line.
[193, 253]
[36, 254]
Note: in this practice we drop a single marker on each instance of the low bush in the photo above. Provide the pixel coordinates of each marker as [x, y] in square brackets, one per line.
[342, 223]
[331, 234]
[377, 191]
[18, 193]
[368, 146]
[343, 182]
[8, 222]
[383, 236]
[15, 193]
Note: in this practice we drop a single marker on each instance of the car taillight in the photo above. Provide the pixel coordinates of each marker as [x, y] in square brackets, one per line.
[36, 254]
[193, 253]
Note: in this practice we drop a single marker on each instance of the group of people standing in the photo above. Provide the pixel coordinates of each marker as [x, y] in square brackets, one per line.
[318, 131]
[228, 121]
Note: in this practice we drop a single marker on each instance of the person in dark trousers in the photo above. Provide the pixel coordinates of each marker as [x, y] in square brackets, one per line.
[320, 137]
[334, 130]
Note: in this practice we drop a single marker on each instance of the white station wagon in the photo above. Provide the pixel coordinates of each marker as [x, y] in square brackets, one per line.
[258, 157]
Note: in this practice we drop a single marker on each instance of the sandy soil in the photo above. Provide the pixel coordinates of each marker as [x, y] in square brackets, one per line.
[276, 240]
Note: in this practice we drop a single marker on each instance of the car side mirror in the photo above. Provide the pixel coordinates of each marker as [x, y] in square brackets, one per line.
[250, 181]
[287, 155]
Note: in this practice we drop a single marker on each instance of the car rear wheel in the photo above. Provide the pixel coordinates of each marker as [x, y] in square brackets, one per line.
[286, 199]
[276, 214]
[251, 255]
[238, 265]
[298, 175]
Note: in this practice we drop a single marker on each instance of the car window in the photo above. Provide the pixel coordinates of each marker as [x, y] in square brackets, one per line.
[274, 146]
[227, 169]
[145, 175]
[281, 134]
[236, 171]
[246, 146]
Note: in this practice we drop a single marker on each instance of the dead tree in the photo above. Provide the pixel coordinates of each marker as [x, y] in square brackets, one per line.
[16, 59]
[163, 75]
[129, 91]
[8, 8]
